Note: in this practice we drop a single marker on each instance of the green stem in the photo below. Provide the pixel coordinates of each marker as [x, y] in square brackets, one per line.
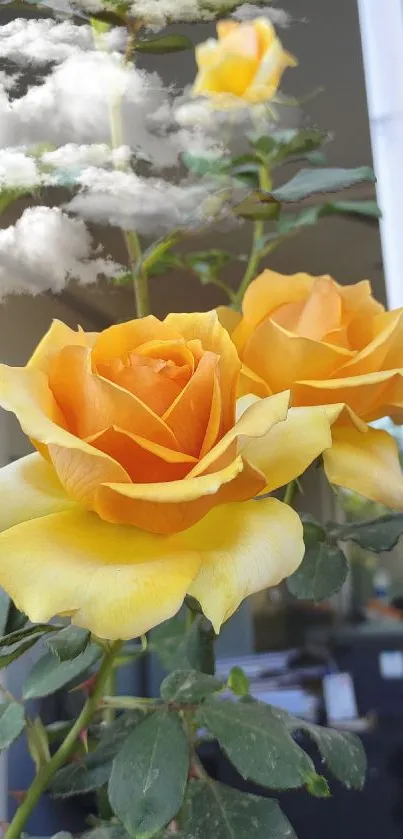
[46, 773]
[290, 493]
[139, 274]
[256, 253]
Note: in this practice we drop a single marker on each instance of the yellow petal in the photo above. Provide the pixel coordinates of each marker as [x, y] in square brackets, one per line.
[245, 548]
[29, 489]
[58, 336]
[207, 53]
[255, 420]
[365, 394]
[229, 74]
[367, 464]
[79, 466]
[266, 294]
[123, 338]
[118, 582]
[290, 446]
[228, 318]
[281, 357]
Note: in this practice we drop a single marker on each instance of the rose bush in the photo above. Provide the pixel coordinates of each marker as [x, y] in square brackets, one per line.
[333, 346]
[246, 62]
[142, 484]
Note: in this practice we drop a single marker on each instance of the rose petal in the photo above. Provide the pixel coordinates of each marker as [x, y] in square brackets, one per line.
[290, 446]
[29, 489]
[188, 416]
[367, 464]
[118, 582]
[123, 338]
[91, 403]
[58, 336]
[256, 421]
[245, 548]
[206, 327]
[143, 460]
[80, 468]
[264, 295]
[166, 507]
[281, 358]
[384, 351]
[364, 394]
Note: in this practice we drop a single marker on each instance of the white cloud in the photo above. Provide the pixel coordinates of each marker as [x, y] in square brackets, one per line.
[41, 41]
[249, 11]
[73, 105]
[98, 154]
[44, 250]
[157, 13]
[17, 170]
[148, 205]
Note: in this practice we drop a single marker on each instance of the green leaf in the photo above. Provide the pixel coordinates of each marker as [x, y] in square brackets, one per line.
[106, 830]
[16, 619]
[313, 531]
[318, 787]
[12, 723]
[48, 674]
[322, 573]
[217, 811]
[257, 743]
[264, 145]
[164, 44]
[168, 641]
[377, 535]
[23, 633]
[247, 173]
[291, 143]
[212, 164]
[15, 644]
[69, 642]
[311, 181]
[149, 775]
[316, 158]
[367, 210]
[167, 262]
[258, 207]
[4, 611]
[199, 646]
[183, 686]
[238, 682]
[93, 770]
[180, 648]
[342, 752]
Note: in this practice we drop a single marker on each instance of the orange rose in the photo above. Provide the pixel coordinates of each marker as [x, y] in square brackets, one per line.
[333, 346]
[136, 426]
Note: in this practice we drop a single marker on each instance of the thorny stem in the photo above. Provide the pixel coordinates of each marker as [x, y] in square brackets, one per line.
[48, 770]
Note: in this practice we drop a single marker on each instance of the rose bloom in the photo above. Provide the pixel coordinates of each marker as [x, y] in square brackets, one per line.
[333, 346]
[246, 62]
[140, 489]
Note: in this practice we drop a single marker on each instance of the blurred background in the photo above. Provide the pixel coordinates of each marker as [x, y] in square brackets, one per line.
[339, 661]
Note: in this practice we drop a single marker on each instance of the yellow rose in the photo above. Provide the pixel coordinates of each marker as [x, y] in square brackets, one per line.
[140, 490]
[333, 346]
[247, 61]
